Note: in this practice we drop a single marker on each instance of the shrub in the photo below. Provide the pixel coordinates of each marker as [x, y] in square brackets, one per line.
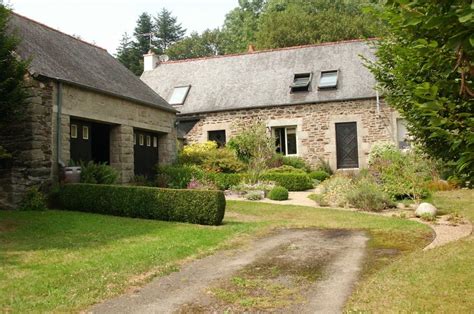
[367, 195]
[319, 198]
[286, 169]
[379, 150]
[254, 195]
[177, 177]
[255, 146]
[401, 173]
[278, 193]
[291, 181]
[140, 181]
[210, 158]
[193, 206]
[225, 181]
[323, 165]
[196, 184]
[441, 185]
[258, 186]
[334, 190]
[319, 175]
[296, 162]
[99, 173]
[33, 200]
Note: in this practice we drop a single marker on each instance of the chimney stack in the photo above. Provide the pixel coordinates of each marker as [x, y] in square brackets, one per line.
[251, 48]
[150, 61]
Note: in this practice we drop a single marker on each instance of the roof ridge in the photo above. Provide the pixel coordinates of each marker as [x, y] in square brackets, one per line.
[58, 31]
[331, 43]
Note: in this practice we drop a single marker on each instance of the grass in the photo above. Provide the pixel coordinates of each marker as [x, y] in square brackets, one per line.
[67, 261]
[439, 280]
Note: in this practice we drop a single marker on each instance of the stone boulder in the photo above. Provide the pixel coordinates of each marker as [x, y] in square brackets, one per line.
[425, 208]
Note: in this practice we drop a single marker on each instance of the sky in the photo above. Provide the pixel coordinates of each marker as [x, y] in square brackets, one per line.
[103, 22]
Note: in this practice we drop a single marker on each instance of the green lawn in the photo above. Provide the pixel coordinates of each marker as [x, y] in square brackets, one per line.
[439, 280]
[66, 261]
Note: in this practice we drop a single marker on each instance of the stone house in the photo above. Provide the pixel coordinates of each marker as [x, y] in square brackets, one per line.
[84, 105]
[319, 101]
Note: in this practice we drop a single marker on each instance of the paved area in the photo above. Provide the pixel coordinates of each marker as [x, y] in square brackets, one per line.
[295, 270]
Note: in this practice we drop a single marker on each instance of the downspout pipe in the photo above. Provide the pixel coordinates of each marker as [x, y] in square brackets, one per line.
[59, 103]
[377, 99]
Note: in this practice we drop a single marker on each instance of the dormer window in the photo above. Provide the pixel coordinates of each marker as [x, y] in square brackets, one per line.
[179, 95]
[328, 79]
[301, 82]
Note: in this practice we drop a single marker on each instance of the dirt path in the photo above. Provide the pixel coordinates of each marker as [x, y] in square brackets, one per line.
[292, 270]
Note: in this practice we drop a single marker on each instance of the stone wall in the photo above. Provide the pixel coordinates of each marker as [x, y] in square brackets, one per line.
[315, 124]
[123, 116]
[30, 143]
[33, 142]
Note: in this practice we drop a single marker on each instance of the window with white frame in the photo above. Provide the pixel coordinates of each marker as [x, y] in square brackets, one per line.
[286, 140]
[85, 132]
[328, 79]
[179, 95]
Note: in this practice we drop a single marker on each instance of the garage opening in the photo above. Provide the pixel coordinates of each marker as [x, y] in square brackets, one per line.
[90, 141]
[145, 153]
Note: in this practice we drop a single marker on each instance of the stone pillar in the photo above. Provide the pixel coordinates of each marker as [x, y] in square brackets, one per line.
[121, 151]
[167, 148]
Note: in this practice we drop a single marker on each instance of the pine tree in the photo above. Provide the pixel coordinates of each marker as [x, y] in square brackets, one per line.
[12, 71]
[128, 55]
[167, 30]
[142, 33]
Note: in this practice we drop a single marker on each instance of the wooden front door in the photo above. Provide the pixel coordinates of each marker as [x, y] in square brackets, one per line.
[346, 145]
[145, 153]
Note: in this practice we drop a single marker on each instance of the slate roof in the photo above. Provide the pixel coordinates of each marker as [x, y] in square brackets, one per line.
[64, 58]
[263, 78]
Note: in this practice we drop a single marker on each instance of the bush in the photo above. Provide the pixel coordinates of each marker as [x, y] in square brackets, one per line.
[193, 206]
[196, 184]
[140, 181]
[296, 162]
[177, 177]
[334, 190]
[224, 181]
[319, 198]
[210, 158]
[98, 173]
[319, 175]
[402, 174]
[278, 193]
[286, 169]
[291, 181]
[367, 195]
[33, 200]
[254, 195]
[323, 165]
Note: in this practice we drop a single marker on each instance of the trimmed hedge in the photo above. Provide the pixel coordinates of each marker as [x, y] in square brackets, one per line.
[278, 193]
[193, 206]
[290, 181]
[319, 175]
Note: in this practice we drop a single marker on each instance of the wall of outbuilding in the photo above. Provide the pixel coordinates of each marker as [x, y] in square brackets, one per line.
[315, 125]
[33, 142]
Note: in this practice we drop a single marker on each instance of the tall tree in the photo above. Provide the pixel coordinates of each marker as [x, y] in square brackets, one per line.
[12, 71]
[426, 69]
[209, 43]
[241, 25]
[299, 22]
[142, 33]
[167, 30]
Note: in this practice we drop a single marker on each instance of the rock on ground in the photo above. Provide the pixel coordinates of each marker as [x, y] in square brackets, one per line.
[425, 208]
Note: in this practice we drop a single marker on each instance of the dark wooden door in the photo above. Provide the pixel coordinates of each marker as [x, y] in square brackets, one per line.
[145, 153]
[346, 145]
[81, 149]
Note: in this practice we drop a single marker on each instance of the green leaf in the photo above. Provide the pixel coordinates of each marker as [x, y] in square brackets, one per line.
[466, 18]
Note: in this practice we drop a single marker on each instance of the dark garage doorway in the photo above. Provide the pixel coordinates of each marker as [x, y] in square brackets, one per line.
[90, 141]
[146, 154]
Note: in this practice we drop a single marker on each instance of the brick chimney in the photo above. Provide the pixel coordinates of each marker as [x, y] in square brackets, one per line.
[251, 48]
[150, 61]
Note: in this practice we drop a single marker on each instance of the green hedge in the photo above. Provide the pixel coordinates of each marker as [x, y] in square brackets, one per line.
[290, 181]
[224, 180]
[193, 206]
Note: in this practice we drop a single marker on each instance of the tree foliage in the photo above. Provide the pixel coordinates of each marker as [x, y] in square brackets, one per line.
[209, 43]
[163, 29]
[12, 72]
[425, 67]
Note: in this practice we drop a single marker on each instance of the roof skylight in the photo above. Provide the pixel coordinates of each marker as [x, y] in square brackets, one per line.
[179, 95]
[328, 79]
